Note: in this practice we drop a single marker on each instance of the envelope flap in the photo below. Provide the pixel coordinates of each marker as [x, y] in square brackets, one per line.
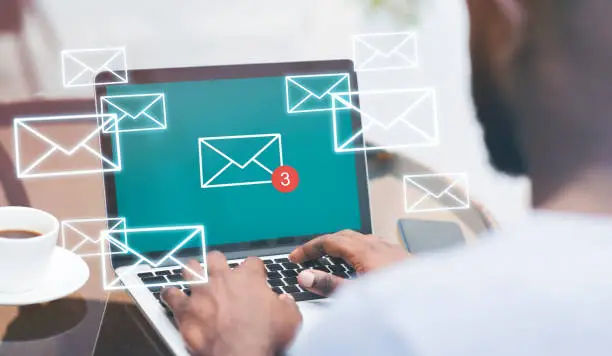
[132, 105]
[242, 149]
[142, 243]
[321, 85]
[96, 60]
[436, 185]
[386, 44]
[90, 229]
[82, 130]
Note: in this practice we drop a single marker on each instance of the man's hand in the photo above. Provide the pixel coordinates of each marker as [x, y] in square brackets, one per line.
[364, 252]
[235, 313]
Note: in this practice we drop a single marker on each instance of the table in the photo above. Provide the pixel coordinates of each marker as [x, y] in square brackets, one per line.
[95, 322]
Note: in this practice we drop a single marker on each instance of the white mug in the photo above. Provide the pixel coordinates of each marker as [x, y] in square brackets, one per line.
[24, 262]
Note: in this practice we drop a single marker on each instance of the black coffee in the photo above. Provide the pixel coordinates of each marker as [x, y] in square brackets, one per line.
[18, 234]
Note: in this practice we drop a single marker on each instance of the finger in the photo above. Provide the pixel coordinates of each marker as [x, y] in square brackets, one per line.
[254, 265]
[334, 245]
[194, 275]
[216, 264]
[289, 302]
[319, 282]
[175, 300]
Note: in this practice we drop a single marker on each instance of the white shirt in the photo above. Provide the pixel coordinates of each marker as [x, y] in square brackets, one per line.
[543, 288]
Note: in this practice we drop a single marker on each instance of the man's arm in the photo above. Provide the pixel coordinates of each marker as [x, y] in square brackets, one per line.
[355, 324]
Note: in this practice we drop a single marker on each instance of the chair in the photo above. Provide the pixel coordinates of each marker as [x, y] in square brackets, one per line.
[13, 23]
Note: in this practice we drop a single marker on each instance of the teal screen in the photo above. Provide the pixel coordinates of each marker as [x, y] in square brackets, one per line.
[160, 183]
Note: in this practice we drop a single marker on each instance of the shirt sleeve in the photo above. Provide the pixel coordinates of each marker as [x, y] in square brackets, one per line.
[353, 325]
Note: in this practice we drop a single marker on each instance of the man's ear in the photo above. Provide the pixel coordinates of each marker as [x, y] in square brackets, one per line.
[497, 31]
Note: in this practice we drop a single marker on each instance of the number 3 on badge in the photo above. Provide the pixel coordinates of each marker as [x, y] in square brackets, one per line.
[285, 179]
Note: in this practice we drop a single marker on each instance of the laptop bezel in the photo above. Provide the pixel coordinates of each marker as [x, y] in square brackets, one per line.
[274, 246]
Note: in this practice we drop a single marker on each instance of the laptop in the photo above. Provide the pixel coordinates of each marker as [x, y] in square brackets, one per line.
[205, 163]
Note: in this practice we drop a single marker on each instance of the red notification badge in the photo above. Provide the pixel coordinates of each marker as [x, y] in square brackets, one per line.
[285, 179]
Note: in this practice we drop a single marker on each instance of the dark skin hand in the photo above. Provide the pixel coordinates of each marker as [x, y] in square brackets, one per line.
[364, 252]
[220, 318]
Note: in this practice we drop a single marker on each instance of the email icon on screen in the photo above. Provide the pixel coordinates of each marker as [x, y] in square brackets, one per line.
[436, 192]
[385, 51]
[82, 236]
[64, 145]
[80, 66]
[135, 112]
[313, 93]
[404, 117]
[229, 161]
[182, 243]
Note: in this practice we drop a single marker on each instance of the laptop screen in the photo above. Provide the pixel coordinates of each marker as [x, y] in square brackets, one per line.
[209, 164]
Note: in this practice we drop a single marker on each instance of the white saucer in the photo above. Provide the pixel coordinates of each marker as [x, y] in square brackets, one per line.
[66, 274]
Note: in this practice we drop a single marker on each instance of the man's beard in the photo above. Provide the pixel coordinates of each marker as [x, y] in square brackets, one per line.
[499, 124]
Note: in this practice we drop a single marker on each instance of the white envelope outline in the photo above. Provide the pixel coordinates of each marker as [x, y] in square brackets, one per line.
[427, 96]
[455, 179]
[294, 80]
[195, 232]
[72, 56]
[144, 114]
[203, 143]
[75, 225]
[101, 121]
[396, 57]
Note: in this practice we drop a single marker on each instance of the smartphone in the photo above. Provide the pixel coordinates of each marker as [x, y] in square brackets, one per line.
[429, 235]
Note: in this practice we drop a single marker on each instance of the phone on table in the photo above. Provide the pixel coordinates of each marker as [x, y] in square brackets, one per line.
[429, 235]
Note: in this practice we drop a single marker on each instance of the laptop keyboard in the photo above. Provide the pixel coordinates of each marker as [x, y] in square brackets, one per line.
[282, 276]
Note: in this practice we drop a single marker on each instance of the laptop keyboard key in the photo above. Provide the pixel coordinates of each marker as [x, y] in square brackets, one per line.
[291, 289]
[336, 268]
[276, 283]
[290, 265]
[177, 271]
[274, 275]
[156, 289]
[325, 262]
[308, 264]
[267, 262]
[321, 268]
[145, 274]
[336, 260]
[277, 290]
[303, 296]
[154, 280]
[291, 281]
[163, 273]
[289, 273]
[233, 265]
[281, 260]
[274, 267]
[175, 278]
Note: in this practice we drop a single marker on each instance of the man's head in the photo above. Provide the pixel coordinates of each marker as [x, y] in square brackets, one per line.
[542, 82]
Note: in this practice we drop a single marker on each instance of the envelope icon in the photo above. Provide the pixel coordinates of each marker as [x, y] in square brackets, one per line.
[229, 161]
[179, 243]
[436, 192]
[82, 236]
[404, 117]
[64, 145]
[385, 51]
[135, 112]
[313, 93]
[80, 66]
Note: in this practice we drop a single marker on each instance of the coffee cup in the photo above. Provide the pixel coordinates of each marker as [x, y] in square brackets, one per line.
[30, 237]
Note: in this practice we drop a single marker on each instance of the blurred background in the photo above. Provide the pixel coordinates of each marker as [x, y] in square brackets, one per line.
[160, 33]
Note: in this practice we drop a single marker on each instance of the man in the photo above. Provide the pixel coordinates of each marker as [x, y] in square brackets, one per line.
[542, 85]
